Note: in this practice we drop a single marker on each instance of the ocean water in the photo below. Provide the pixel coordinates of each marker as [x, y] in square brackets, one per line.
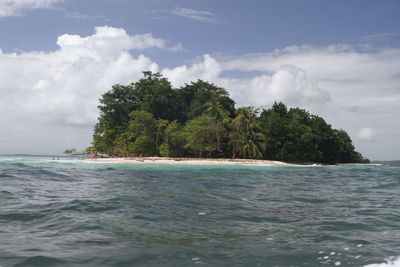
[82, 214]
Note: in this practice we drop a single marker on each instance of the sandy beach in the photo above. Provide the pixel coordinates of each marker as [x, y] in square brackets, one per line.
[191, 161]
[200, 161]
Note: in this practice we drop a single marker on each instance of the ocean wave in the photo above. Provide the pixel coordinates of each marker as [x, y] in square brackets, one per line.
[40, 261]
[390, 262]
[151, 215]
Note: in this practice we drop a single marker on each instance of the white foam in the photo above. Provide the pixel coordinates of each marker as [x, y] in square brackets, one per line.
[390, 262]
[337, 263]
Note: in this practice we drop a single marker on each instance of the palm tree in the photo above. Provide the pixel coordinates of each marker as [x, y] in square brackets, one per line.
[246, 139]
[215, 109]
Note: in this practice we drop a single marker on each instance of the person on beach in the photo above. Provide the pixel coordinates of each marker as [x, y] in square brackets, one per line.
[93, 154]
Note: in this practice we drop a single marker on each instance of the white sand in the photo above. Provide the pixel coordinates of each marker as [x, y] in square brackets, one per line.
[190, 161]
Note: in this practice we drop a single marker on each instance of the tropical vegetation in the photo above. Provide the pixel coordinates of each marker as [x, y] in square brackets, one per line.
[150, 118]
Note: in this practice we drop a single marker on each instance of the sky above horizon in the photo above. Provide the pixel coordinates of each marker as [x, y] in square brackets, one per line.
[338, 59]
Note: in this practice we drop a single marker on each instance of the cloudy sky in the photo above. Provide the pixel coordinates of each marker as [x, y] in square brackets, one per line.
[338, 59]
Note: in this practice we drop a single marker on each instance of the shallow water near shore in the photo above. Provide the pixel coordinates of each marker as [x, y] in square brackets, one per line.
[81, 214]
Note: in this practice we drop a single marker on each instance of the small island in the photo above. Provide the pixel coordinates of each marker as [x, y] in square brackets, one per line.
[149, 118]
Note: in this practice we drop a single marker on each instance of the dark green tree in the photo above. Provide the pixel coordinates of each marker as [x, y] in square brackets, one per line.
[152, 93]
[149, 118]
[274, 125]
[142, 126]
[204, 135]
[346, 151]
[155, 95]
[246, 138]
[69, 151]
[144, 146]
[142, 123]
[199, 97]
[174, 141]
[115, 107]
[296, 135]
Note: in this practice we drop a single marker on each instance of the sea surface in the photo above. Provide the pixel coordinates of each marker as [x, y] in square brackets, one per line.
[68, 213]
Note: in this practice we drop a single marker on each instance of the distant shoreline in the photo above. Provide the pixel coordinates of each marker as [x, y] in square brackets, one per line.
[203, 161]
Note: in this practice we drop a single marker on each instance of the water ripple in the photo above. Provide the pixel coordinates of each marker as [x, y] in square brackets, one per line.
[63, 214]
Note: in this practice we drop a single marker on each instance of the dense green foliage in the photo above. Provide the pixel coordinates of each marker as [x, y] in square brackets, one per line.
[150, 118]
[69, 151]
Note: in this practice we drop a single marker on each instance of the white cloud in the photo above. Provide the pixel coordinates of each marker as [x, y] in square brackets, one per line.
[350, 77]
[78, 15]
[197, 15]
[176, 48]
[41, 85]
[109, 40]
[58, 92]
[366, 134]
[349, 86]
[207, 70]
[288, 84]
[382, 35]
[16, 7]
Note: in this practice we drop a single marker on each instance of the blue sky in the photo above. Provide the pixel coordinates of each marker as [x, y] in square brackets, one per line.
[233, 26]
[338, 59]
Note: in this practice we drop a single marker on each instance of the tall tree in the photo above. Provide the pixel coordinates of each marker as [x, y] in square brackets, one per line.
[139, 138]
[204, 134]
[115, 107]
[274, 125]
[199, 97]
[246, 138]
[142, 123]
[155, 95]
[148, 117]
[152, 93]
[174, 141]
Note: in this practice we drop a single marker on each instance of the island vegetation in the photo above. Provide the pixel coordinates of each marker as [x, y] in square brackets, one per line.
[70, 151]
[150, 118]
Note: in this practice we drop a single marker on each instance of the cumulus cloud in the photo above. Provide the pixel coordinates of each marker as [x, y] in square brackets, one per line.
[109, 40]
[350, 86]
[288, 83]
[42, 92]
[366, 134]
[16, 7]
[351, 77]
[45, 92]
[64, 85]
[208, 70]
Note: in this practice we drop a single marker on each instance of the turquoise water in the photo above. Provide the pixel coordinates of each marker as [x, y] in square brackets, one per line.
[82, 214]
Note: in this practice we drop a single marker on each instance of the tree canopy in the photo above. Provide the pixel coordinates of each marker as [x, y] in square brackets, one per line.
[199, 119]
[69, 151]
